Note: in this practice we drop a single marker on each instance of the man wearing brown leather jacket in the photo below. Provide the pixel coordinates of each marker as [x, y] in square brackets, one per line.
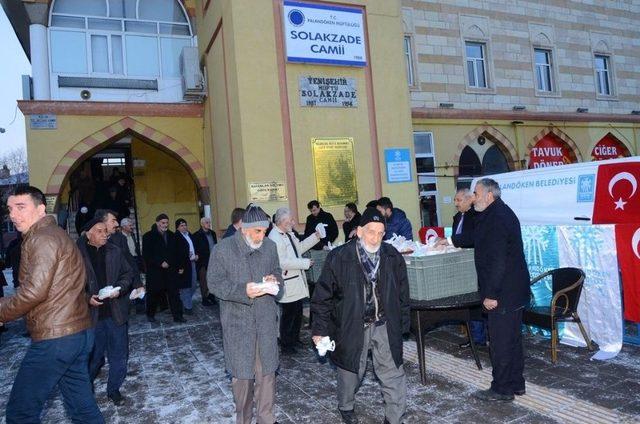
[52, 297]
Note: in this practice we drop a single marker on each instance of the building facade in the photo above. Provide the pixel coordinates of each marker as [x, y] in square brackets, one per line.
[204, 106]
[503, 85]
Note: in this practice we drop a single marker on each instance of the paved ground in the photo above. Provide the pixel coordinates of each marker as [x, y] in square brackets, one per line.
[176, 375]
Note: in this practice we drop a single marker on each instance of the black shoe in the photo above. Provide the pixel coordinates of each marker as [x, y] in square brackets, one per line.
[151, 318]
[491, 396]
[348, 417]
[211, 298]
[468, 345]
[519, 392]
[188, 311]
[116, 398]
[180, 320]
[207, 302]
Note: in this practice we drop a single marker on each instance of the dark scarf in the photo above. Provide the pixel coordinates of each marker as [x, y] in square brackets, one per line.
[370, 265]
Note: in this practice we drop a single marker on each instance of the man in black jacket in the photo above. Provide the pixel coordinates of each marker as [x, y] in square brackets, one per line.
[503, 279]
[108, 217]
[204, 240]
[463, 236]
[319, 216]
[160, 252]
[106, 266]
[361, 301]
[463, 221]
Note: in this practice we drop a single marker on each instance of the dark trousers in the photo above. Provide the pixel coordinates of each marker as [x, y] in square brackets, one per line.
[156, 290]
[290, 323]
[64, 362]
[507, 356]
[112, 339]
[202, 280]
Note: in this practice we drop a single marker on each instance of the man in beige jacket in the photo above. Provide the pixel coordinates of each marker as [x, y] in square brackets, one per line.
[293, 265]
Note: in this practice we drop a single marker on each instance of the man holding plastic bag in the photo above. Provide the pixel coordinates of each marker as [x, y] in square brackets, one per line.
[244, 274]
[361, 302]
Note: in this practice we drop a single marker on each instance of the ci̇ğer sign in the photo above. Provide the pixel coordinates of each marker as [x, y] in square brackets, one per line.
[318, 33]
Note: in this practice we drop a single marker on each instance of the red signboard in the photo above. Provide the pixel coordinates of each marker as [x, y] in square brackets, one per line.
[609, 148]
[550, 151]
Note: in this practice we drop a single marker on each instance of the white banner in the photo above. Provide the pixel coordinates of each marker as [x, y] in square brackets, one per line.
[593, 249]
[319, 33]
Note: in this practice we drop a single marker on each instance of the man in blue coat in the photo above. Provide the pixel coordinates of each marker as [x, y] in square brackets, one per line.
[503, 279]
[397, 221]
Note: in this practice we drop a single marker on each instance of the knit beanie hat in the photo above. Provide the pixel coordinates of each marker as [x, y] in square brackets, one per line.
[254, 216]
[179, 222]
[371, 215]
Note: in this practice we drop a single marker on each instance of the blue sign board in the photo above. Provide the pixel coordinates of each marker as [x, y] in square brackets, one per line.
[398, 164]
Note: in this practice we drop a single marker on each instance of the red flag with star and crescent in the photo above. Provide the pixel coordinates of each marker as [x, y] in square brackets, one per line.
[617, 199]
[628, 247]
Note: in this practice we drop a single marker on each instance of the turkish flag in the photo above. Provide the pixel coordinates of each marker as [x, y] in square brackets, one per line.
[628, 247]
[426, 233]
[617, 198]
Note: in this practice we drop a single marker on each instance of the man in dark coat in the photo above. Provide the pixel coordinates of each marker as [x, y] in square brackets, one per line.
[463, 221]
[397, 221]
[106, 266]
[186, 256]
[236, 222]
[319, 216]
[361, 301]
[204, 240]
[503, 279]
[463, 236]
[351, 221]
[248, 314]
[159, 249]
[13, 253]
[108, 217]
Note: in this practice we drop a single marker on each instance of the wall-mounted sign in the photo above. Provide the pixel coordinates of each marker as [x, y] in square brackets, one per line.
[270, 191]
[550, 151]
[609, 148]
[43, 122]
[319, 33]
[328, 91]
[335, 171]
[51, 203]
[398, 163]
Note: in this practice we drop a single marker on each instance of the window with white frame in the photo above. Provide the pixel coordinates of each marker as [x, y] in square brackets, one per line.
[476, 64]
[427, 185]
[603, 75]
[408, 58]
[544, 70]
[133, 38]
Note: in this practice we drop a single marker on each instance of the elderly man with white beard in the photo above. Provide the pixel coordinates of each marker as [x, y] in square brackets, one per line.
[244, 274]
[361, 302]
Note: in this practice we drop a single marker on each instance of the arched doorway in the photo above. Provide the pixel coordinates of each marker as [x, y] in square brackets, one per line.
[552, 147]
[609, 147]
[483, 155]
[550, 151]
[160, 175]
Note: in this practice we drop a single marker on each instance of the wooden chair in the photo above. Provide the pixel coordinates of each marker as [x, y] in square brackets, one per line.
[566, 288]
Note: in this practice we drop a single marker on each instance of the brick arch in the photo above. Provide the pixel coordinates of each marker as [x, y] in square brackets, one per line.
[100, 139]
[623, 141]
[503, 143]
[558, 133]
